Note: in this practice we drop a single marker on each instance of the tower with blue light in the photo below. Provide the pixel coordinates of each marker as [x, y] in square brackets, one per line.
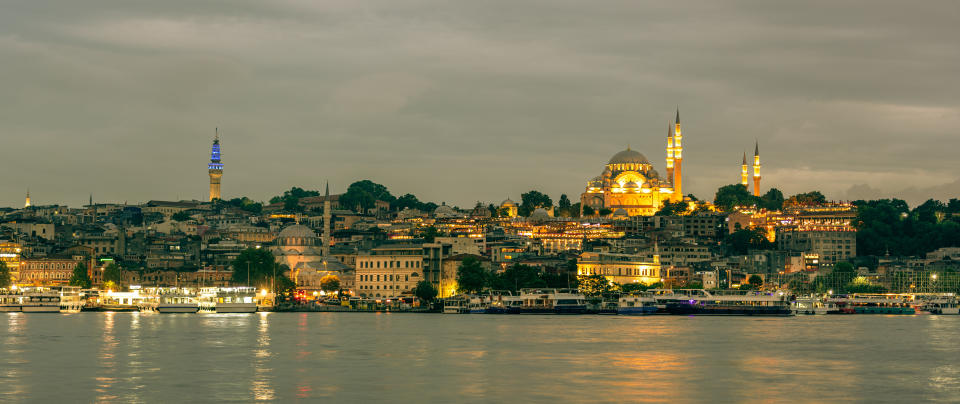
[215, 168]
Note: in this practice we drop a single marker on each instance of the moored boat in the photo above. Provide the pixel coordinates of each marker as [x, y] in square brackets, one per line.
[725, 303]
[874, 304]
[70, 299]
[176, 300]
[10, 301]
[552, 301]
[40, 300]
[239, 299]
[635, 305]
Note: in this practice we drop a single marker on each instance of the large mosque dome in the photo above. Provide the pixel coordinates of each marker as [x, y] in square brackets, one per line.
[629, 157]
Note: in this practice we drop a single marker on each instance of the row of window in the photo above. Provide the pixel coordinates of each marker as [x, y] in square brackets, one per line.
[377, 287]
[388, 264]
[386, 278]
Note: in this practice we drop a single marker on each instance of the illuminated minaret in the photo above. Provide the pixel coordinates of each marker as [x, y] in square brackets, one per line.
[744, 173]
[756, 169]
[27, 203]
[678, 161]
[215, 168]
[669, 153]
[327, 218]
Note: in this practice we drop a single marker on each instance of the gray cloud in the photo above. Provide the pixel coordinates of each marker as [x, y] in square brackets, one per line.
[470, 101]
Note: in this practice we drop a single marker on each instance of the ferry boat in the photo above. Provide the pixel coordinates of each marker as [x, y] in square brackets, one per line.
[91, 299]
[812, 305]
[70, 299]
[239, 299]
[9, 301]
[176, 300]
[552, 301]
[723, 303]
[946, 304]
[873, 304]
[466, 304]
[635, 305]
[121, 301]
[40, 300]
[506, 303]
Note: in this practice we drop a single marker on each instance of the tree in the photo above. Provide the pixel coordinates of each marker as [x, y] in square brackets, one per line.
[80, 277]
[532, 200]
[5, 278]
[588, 211]
[330, 283]
[259, 264]
[430, 234]
[729, 196]
[471, 277]
[518, 276]
[634, 287]
[113, 275]
[362, 196]
[181, 216]
[806, 198]
[743, 240]
[291, 198]
[772, 200]
[594, 285]
[672, 208]
[564, 206]
[425, 291]
[756, 281]
[605, 212]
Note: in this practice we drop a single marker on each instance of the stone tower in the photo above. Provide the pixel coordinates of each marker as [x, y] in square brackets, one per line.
[756, 169]
[215, 168]
[678, 160]
[669, 153]
[745, 173]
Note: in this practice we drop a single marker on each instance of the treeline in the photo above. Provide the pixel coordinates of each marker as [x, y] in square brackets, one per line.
[889, 225]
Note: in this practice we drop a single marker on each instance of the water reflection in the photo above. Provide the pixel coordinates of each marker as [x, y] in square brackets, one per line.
[14, 361]
[106, 370]
[262, 386]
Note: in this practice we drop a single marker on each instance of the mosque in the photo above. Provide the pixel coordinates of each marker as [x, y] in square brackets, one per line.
[630, 186]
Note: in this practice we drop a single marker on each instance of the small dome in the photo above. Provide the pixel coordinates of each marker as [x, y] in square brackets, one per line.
[297, 231]
[540, 214]
[507, 202]
[444, 210]
[628, 157]
[620, 212]
[631, 184]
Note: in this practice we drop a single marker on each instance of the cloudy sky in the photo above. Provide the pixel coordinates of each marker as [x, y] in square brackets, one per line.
[473, 100]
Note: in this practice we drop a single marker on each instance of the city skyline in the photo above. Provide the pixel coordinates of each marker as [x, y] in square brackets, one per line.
[854, 103]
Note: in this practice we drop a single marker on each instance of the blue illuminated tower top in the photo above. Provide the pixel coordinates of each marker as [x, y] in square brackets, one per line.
[215, 154]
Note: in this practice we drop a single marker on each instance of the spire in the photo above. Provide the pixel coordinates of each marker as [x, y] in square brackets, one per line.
[744, 157]
[91, 200]
[216, 135]
[678, 114]
[326, 193]
[669, 130]
[27, 202]
[756, 149]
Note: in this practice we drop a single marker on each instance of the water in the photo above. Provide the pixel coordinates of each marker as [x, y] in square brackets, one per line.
[366, 357]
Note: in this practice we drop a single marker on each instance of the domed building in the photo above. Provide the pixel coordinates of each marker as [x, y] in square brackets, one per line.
[629, 184]
[299, 248]
[509, 207]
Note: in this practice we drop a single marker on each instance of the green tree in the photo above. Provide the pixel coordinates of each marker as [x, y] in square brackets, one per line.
[5, 279]
[672, 208]
[181, 216]
[113, 274]
[430, 234]
[330, 283]
[518, 276]
[729, 196]
[259, 264]
[532, 200]
[594, 285]
[756, 281]
[634, 287]
[361, 196]
[772, 200]
[80, 277]
[564, 206]
[588, 210]
[605, 212]
[743, 240]
[471, 276]
[425, 291]
[806, 198]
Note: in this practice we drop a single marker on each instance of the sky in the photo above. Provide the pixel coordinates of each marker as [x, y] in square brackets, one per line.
[469, 101]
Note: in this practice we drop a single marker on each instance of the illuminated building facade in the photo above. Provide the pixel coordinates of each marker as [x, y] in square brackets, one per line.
[389, 271]
[26, 204]
[630, 186]
[215, 168]
[10, 256]
[756, 169]
[620, 268]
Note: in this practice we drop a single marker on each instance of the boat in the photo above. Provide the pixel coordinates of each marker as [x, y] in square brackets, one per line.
[552, 301]
[873, 304]
[91, 299]
[812, 305]
[238, 299]
[9, 301]
[506, 303]
[40, 300]
[946, 304]
[70, 299]
[635, 305]
[466, 304]
[724, 302]
[176, 300]
[121, 301]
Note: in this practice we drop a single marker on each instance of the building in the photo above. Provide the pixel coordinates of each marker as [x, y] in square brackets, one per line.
[10, 256]
[389, 270]
[215, 168]
[509, 208]
[620, 268]
[630, 186]
[48, 271]
[829, 246]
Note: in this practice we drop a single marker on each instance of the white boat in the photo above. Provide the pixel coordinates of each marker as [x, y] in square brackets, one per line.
[812, 305]
[9, 301]
[637, 304]
[465, 304]
[70, 299]
[722, 302]
[240, 299]
[176, 300]
[942, 305]
[506, 303]
[40, 300]
[553, 301]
